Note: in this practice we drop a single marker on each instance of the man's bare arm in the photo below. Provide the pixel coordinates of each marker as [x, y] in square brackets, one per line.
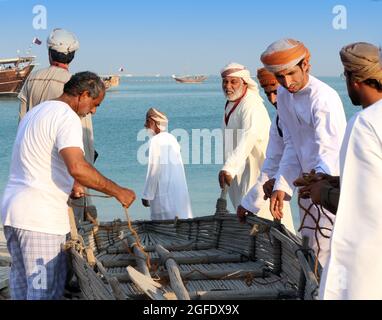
[88, 176]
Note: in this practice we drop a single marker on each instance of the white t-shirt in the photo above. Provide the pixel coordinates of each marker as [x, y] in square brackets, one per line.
[36, 195]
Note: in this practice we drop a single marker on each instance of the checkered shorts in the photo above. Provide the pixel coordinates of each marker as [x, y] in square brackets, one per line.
[39, 264]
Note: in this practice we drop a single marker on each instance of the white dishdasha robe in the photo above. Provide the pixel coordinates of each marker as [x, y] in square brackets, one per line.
[166, 186]
[254, 199]
[313, 122]
[245, 141]
[354, 269]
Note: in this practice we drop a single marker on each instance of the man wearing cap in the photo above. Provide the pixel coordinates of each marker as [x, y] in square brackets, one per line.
[246, 131]
[313, 122]
[47, 84]
[255, 199]
[47, 157]
[165, 190]
[353, 271]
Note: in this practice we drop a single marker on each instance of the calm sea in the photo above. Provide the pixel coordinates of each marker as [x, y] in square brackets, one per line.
[121, 116]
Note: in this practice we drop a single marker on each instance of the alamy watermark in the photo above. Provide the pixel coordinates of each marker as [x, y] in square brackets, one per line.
[202, 146]
[40, 281]
[40, 19]
[340, 20]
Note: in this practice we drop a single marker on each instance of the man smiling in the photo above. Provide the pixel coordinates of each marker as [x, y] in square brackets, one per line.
[246, 127]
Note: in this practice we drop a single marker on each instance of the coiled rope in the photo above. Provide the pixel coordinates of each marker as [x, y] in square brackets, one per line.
[317, 228]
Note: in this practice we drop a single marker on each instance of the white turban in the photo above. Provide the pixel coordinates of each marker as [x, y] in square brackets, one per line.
[159, 118]
[238, 70]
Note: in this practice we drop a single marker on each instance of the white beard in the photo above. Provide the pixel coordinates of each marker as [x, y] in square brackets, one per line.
[236, 95]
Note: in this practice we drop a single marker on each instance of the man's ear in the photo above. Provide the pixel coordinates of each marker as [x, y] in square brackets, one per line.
[305, 66]
[355, 84]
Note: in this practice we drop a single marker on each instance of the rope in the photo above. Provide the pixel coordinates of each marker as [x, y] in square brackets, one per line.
[307, 179]
[87, 195]
[130, 227]
[78, 245]
[137, 239]
[95, 195]
[317, 228]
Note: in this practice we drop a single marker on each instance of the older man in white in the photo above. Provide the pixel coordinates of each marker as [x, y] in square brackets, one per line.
[165, 190]
[313, 122]
[246, 126]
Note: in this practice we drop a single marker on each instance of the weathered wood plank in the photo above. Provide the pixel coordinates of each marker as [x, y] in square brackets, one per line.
[173, 273]
[213, 258]
[4, 277]
[151, 288]
[245, 294]
[171, 247]
[139, 255]
[5, 261]
[217, 274]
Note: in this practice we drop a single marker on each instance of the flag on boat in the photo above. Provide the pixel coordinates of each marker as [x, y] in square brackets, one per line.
[36, 41]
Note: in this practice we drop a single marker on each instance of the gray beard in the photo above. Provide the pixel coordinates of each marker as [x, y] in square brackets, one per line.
[236, 96]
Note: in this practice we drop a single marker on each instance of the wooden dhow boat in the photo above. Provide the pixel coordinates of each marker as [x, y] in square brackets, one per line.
[204, 258]
[13, 73]
[110, 81]
[189, 79]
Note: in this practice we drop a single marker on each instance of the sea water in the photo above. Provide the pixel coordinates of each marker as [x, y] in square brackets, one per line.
[120, 118]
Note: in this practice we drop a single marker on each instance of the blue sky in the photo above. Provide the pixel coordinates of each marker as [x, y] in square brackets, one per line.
[189, 36]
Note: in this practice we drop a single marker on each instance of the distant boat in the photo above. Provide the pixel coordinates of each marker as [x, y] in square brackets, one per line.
[13, 73]
[189, 79]
[110, 81]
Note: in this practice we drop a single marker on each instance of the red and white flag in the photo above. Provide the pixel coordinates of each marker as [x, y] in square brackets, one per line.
[36, 41]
